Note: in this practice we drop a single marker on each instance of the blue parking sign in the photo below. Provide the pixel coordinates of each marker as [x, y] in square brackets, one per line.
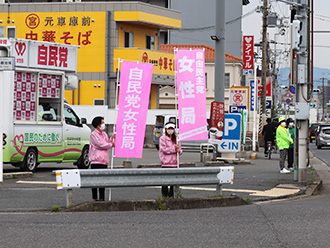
[231, 137]
[232, 127]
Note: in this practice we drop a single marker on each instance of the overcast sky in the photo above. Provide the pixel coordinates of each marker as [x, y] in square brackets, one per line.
[252, 25]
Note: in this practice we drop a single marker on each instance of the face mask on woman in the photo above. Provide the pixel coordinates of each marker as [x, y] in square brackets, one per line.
[102, 126]
[170, 131]
[283, 124]
[291, 124]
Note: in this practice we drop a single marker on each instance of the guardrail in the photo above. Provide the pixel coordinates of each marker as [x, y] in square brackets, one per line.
[114, 178]
[207, 146]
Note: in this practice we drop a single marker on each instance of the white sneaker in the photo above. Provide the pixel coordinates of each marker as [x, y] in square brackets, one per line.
[284, 171]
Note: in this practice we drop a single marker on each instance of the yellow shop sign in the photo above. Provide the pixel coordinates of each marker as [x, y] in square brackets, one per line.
[163, 61]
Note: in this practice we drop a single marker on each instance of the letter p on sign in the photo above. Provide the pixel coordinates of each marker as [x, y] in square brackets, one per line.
[230, 124]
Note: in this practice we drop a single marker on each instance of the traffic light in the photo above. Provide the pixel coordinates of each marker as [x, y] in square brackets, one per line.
[4, 136]
[295, 34]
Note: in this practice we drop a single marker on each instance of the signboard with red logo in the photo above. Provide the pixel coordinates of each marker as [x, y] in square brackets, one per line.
[238, 99]
[217, 119]
[268, 86]
[239, 96]
[248, 52]
[45, 55]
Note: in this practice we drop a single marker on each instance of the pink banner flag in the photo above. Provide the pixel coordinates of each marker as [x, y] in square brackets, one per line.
[190, 79]
[135, 82]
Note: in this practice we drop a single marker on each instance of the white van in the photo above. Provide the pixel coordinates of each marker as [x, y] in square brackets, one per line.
[39, 126]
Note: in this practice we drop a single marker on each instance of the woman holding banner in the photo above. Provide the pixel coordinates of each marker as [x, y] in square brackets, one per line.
[99, 145]
[168, 149]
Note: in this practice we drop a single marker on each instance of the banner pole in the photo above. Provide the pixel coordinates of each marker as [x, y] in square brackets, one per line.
[255, 106]
[116, 100]
[114, 125]
[176, 106]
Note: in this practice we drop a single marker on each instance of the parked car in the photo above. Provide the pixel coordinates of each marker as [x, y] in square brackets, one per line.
[323, 138]
[320, 126]
[312, 131]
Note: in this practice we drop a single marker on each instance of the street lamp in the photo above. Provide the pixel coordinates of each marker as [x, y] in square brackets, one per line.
[215, 37]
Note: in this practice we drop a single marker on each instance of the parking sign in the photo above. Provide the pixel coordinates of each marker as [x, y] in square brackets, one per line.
[231, 139]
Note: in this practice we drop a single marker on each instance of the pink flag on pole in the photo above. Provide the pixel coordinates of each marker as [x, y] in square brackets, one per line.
[134, 92]
[190, 79]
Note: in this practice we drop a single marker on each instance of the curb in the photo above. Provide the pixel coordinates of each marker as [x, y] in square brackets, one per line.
[162, 204]
[16, 175]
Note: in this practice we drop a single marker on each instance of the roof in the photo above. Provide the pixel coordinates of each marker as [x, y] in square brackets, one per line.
[209, 51]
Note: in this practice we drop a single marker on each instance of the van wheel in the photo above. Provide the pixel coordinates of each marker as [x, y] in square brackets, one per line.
[83, 162]
[30, 160]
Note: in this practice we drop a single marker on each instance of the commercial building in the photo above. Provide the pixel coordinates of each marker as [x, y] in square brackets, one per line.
[105, 32]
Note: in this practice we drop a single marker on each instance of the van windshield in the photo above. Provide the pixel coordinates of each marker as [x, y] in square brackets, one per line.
[160, 121]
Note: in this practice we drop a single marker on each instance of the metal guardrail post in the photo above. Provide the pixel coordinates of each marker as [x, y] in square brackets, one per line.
[218, 190]
[69, 198]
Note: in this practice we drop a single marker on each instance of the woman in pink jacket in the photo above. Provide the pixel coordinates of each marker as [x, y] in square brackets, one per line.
[99, 145]
[168, 149]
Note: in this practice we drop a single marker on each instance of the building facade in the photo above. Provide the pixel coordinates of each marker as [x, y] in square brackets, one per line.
[106, 33]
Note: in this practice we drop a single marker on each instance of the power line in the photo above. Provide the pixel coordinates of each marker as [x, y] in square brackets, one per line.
[213, 26]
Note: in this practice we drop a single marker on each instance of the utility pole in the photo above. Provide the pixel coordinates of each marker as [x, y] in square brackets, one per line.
[301, 46]
[323, 98]
[219, 82]
[264, 59]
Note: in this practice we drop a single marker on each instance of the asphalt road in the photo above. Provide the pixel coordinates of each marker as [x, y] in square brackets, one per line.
[323, 153]
[296, 222]
[290, 223]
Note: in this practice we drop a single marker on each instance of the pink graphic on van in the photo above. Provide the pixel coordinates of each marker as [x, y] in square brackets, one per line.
[20, 138]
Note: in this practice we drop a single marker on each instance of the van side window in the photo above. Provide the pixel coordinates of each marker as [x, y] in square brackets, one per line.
[70, 117]
[47, 112]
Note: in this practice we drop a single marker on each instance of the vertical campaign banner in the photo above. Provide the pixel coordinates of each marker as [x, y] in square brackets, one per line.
[190, 79]
[135, 82]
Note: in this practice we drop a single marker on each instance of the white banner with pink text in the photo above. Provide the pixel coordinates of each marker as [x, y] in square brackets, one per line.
[190, 79]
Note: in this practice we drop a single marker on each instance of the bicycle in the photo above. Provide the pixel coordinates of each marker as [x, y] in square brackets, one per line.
[269, 149]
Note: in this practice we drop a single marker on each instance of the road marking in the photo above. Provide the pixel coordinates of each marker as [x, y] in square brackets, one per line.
[213, 189]
[278, 191]
[37, 182]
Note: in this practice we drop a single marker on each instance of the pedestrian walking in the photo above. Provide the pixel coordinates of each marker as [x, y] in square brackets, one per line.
[168, 150]
[269, 133]
[99, 145]
[283, 142]
[291, 128]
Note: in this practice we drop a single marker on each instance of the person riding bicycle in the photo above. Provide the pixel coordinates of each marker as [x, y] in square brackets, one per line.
[269, 133]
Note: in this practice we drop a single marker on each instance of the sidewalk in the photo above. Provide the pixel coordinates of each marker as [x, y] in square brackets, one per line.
[254, 180]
